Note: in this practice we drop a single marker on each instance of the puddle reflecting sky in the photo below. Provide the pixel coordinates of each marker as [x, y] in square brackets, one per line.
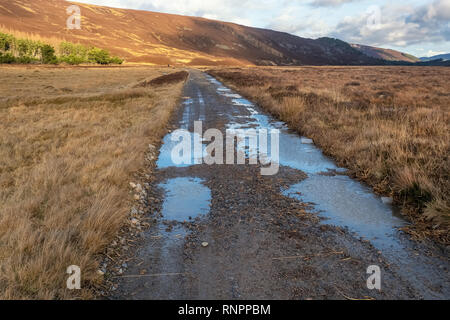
[346, 202]
[185, 197]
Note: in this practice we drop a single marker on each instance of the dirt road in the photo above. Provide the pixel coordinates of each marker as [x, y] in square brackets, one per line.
[228, 232]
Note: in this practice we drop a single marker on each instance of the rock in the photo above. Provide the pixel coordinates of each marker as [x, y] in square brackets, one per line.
[205, 244]
[134, 211]
[387, 200]
[133, 185]
[134, 221]
[139, 188]
[136, 197]
[307, 141]
[100, 272]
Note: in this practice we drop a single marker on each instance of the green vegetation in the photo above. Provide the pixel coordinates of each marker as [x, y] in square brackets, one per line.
[48, 54]
[14, 50]
[76, 53]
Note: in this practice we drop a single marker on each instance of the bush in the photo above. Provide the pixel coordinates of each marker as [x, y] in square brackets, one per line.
[7, 58]
[48, 55]
[99, 56]
[26, 60]
[6, 42]
[72, 59]
[73, 53]
[71, 49]
[115, 60]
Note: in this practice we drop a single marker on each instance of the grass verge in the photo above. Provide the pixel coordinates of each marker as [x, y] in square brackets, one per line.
[70, 141]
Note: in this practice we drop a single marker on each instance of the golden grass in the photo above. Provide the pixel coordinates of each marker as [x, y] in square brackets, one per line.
[70, 141]
[388, 125]
[53, 41]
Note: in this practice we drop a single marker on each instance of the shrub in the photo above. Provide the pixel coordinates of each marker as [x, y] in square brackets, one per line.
[71, 49]
[73, 53]
[99, 56]
[48, 55]
[26, 60]
[115, 60]
[72, 59]
[6, 42]
[7, 58]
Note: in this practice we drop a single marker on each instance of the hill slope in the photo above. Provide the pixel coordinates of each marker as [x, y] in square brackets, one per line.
[142, 36]
[385, 54]
[439, 56]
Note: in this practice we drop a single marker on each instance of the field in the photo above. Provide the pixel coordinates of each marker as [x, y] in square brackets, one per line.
[70, 141]
[388, 125]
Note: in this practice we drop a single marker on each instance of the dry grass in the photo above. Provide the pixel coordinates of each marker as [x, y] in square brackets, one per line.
[70, 141]
[389, 125]
[53, 41]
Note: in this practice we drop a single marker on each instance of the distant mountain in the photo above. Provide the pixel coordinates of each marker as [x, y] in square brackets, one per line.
[444, 57]
[385, 54]
[157, 38]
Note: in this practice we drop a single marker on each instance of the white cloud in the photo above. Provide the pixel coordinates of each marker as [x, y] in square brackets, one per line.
[330, 3]
[310, 27]
[398, 25]
[432, 53]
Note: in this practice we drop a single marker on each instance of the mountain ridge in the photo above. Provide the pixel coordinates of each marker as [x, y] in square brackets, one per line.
[160, 38]
[445, 57]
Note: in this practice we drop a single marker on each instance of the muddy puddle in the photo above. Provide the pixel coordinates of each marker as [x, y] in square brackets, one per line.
[185, 199]
[345, 202]
[166, 160]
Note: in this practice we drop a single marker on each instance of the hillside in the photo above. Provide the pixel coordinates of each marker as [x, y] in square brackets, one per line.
[444, 57]
[385, 54]
[142, 36]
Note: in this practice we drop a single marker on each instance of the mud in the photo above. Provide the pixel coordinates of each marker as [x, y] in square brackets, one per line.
[165, 79]
[264, 241]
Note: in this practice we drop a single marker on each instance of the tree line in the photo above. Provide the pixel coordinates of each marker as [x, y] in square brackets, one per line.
[14, 50]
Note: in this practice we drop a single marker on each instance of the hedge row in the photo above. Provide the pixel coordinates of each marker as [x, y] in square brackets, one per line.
[13, 50]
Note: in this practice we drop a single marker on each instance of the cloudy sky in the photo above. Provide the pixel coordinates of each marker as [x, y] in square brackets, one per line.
[419, 27]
